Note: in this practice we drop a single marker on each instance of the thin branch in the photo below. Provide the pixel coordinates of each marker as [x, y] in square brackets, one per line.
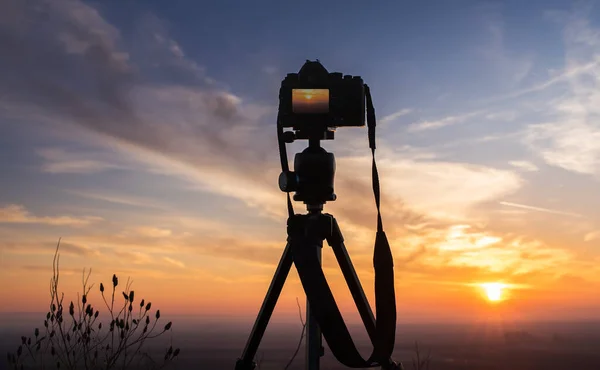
[301, 336]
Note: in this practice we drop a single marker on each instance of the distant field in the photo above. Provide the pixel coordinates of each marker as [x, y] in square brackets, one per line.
[217, 344]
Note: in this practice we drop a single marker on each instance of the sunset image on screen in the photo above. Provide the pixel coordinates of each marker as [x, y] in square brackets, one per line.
[310, 101]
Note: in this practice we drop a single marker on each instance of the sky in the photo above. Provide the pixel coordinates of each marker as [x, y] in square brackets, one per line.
[143, 135]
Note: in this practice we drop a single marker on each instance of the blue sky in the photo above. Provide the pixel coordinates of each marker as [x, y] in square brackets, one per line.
[147, 128]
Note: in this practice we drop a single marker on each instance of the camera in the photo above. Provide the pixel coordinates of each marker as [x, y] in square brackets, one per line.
[314, 101]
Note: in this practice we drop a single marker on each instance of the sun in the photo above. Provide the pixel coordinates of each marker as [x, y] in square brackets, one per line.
[494, 291]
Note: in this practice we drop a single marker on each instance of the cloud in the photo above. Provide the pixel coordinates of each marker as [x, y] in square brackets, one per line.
[571, 138]
[153, 232]
[524, 166]
[436, 189]
[59, 160]
[174, 262]
[48, 269]
[462, 253]
[133, 257]
[443, 122]
[395, 115]
[85, 81]
[35, 247]
[200, 132]
[594, 235]
[573, 143]
[512, 67]
[128, 200]
[556, 77]
[14, 213]
[539, 209]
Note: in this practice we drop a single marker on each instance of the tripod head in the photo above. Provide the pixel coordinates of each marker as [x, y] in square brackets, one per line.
[312, 178]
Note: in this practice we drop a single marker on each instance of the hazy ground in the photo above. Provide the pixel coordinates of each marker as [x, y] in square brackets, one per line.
[216, 344]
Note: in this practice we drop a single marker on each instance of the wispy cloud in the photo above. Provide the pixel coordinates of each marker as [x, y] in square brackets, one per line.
[393, 116]
[443, 122]
[153, 232]
[594, 235]
[59, 160]
[524, 165]
[174, 262]
[435, 188]
[511, 66]
[128, 200]
[571, 138]
[40, 247]
[539, 209]
[556, 78]
[14, 213]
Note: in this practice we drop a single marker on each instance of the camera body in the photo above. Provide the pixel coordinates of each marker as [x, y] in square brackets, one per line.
[315, 101]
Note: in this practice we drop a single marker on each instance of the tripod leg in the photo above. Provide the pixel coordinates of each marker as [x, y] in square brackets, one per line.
[314, 340]
[336, 241]
[246, 362]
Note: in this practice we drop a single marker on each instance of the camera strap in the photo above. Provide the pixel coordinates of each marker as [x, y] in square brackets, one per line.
[323, 306]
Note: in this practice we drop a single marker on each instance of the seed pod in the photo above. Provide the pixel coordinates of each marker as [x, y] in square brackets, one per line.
[115, 280]
[101, 288]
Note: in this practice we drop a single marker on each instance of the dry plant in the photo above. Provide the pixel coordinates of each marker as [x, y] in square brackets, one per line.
[301, 336]
[78, 339]
[421, 363]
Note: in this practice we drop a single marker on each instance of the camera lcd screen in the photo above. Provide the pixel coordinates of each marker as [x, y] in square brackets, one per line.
[310, 101]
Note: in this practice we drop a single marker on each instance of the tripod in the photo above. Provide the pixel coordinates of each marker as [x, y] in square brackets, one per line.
[317, 226]
[313, 183]
[306, 233]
